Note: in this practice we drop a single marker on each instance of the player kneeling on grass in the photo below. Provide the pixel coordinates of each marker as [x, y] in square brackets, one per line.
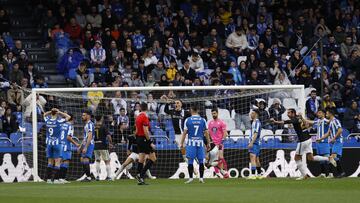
[53, 125]
[87, 147]
[304, 145]
[102, 143]
[144, 144]
[218, 132]
[195, 128]
[336, 140]
[67, 134]
[254, 145]
[133, 157]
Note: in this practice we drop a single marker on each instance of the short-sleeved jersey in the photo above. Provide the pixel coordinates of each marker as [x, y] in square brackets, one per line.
[141, 121]
[322, 127]
[300, 128]
[89, 128]
[123, 120]
[334, 126]
[256, 128]
[216, 130]
[100, 135]
[66, 130]
[195, 126]
[53, 130]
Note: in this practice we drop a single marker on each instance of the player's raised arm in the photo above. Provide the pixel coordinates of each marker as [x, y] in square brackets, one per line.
[64, 115]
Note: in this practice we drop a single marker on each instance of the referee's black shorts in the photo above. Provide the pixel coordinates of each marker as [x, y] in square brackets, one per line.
[143, 145]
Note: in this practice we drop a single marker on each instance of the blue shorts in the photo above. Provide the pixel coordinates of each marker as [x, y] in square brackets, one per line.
[53, 151]
[66, 155]
[323, 148]
[255, 150]
[195, 152]
[89, 151]
[336, 148]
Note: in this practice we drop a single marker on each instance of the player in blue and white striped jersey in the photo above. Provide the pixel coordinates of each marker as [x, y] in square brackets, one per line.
[322, 147]
[195, 128]
[254, 145]
[54, 119]
[88, 143]
[336, 140]
[67, 135]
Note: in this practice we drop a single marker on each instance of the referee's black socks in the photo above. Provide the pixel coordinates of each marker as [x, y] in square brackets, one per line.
[191, 170]
[140, 166]
[148, 165]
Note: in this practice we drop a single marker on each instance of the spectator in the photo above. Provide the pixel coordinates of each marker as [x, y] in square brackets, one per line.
[111, 73]
[98, 54]
[276, 111]
[16, 74]
[3, 107]
[9, 59]
[99, 77]
[327, 103]
[237, 41]
[312, 105]
[235, 72]
[40, 105]
[80, 17]
[351, 116]
[118, 103]
[62, 43]
[211, 38]
[150, 81]
[108, 19]
[356, 127]
[349, 93]
[150, 60]
[187, 72]
[94, 18]
[39, 82]
[83, 77]
[196, 62]
[158, 71]
[139, 41]
[9, 124]
[135, 81]
[335, 93]
[171, 71]
[347, 47]
[94, 98]
[263, 114]
[74, 30]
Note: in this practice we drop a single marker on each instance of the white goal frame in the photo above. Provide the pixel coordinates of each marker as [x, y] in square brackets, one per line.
[35, 91]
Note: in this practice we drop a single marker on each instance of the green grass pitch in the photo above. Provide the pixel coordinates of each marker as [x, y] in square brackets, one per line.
[173, 191]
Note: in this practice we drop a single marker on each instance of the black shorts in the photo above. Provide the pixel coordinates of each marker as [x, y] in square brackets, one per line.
[143, 145]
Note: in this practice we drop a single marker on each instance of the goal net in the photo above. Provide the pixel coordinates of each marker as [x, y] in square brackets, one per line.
[120, 106]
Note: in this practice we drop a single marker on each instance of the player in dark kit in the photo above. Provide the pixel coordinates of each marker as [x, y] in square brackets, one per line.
[102, 143]
[144, 144]
[304, 146]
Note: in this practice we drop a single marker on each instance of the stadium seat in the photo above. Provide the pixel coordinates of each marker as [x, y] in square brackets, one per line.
[266, 134]
[208, 114]
[236, 135]
[5, 142]
[230, 124]
[345, 133]
[289, 103]
[24, 141]
[224, 114]
[3, 135]
[14, 137]
[341, 110]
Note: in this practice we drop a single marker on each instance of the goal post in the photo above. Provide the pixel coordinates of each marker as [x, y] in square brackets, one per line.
[69, 95]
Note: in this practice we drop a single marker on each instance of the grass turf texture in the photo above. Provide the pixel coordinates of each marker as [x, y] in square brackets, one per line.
[173, 191]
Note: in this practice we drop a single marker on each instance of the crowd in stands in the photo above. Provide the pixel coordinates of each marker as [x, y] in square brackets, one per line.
[117, 43]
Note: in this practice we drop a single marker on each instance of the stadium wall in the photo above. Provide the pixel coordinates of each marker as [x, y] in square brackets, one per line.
[14, 167]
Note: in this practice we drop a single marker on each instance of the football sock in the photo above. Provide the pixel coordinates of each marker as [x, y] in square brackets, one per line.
[201, 169]
[191, 170]
[147, 167]
[49, 171]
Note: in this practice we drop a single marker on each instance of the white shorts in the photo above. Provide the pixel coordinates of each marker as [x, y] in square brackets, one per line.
[134, 156]
[102, 155]
[304, 147]
[213, 155]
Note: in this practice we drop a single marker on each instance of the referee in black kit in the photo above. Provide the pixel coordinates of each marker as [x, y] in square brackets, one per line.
[143, 141]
